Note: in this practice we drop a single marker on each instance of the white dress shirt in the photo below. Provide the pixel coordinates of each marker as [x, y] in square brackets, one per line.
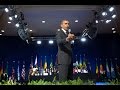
[64, 31]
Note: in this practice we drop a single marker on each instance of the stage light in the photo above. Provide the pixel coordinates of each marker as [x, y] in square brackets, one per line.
[10, 18]
[83, 39]
[39, 42]
[96, 21]
[114, 31]
[111, 9]
[51, 42]
[113, 16]
[30, 30]
[102, 20]
[15, 16]
[113, 28]
[107, 21]
[9, 22]
[2, 31]
[43, 21]
[6, 10]
[17, 25]
[104, 13]
[76, 21]
[0, 34]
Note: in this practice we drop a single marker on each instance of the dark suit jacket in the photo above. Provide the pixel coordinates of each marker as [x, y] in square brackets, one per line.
[64, 48]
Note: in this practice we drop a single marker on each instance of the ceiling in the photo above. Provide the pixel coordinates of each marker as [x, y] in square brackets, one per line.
[52, 15]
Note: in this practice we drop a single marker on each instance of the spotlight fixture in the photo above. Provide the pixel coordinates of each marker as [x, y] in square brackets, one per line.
[2, 31]
[30, 30]
[113, 28]
[17, 25]
[6, 10]
[39, 42]
[96, 21]
[76, 21]
[107, 21]
[114, 31]
[83, 39]
[9, 22]
[15, 16]
[111, 9]
[113, 16]
[43, 21]
[10, 18]
[51, 42]
[104, 13]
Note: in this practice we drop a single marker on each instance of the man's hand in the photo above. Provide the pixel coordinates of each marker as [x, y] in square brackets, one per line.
[70, 37]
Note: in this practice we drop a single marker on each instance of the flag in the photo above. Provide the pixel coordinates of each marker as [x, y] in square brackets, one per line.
[117, 68]
[41, 67]
[35, 61]
[56, 62]
[89, 67]
[23, 72]
[45, 64]
[84, 62]
[97, 71]
[101, 68]
[31, 62]
[80, 62]
[13, 73]
[6, 70]
[112, 71]
[1, 70]
[18, 72]
[108, 70]
[51, 63]
[76, 62]
[41, 63]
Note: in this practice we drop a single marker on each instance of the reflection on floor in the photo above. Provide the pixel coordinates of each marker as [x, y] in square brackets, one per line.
[102, 83]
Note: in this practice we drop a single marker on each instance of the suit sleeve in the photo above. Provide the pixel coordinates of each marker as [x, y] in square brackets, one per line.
[59, 39]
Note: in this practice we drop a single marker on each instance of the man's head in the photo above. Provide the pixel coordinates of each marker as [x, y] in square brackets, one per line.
[65, 24]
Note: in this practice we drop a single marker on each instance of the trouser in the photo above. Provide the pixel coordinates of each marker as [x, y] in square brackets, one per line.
[65, 72]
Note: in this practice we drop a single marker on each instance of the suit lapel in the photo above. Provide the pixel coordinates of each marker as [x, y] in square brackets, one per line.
[63, 32]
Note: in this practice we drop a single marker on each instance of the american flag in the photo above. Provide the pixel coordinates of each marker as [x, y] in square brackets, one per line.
[23, 72]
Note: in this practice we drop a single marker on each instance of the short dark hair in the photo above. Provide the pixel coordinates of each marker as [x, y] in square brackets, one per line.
[63, 21]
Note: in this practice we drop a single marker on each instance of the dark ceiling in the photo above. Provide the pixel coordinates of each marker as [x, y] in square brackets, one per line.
[53, 14]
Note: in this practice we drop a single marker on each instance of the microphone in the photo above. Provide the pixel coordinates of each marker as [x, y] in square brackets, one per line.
[69, 30]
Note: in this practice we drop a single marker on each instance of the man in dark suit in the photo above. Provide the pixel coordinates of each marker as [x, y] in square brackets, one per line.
[65, 64]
